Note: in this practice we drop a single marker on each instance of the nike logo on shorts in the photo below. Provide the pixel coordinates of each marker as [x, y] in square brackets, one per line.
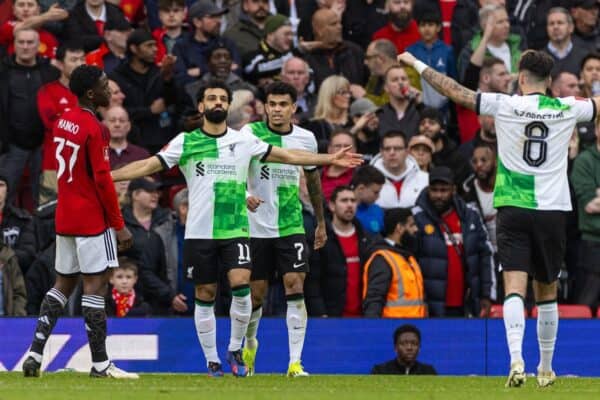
[297, 265]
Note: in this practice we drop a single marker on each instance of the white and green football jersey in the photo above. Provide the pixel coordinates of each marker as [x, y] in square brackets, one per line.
[216, 172]
[533, 139]
[277, 184]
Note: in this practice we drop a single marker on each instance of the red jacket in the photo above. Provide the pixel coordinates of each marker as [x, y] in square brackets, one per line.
[159, 36]
[402, 39]
[48, 42]
[96, 57]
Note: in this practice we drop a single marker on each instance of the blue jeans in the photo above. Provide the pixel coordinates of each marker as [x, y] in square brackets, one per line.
[12, 164]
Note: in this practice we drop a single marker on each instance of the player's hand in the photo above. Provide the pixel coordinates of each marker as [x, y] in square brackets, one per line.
[178, 303]
[407, 59]
[124, 239]
[485, 305]
[252, 202]
[320, 236]
[344, 158]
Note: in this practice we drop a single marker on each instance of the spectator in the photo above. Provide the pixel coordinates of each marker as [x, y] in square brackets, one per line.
[401, 113]
[367, 183]
[530, 18]
[113, 49]
[421, 148]
[362, 19]
[401, 29]
[332, 175]
[149, 90]
[191, 52]
[392, 280]
[380, 56]
[40, 278]
[172, 17]
[478, 188]
[567, 55]
[438, 55]
[148, 224]
[121, 151]
[407, 343]
[87, 20]
[485, 134]
[565, 84]
[244, 108]
[331, 55]
[184, 285]
[250, 29]
[27, 15]
[494, 39]
[404, 180]
[117, 97]
[465, 21]
[366, 127]
[333, 287]
[446, 153]
[589, 87]
[331, 112]
[296, 72]
[21, 128]
[585, 178]
[13, 294]
[300, 13]
[263, 65]
[52, 100]
[453, 250]
[585, 16]
[122, 300]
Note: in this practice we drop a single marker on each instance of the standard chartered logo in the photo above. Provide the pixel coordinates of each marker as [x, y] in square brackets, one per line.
[221, 170]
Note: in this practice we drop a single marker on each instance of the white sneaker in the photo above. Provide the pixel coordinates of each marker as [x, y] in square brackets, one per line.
[545, 378]
[113, 372]
[516, 377]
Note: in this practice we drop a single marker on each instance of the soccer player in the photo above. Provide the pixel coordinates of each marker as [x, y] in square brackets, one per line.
[277, 239]
[531, 194]
[215, 161]
[87, 216]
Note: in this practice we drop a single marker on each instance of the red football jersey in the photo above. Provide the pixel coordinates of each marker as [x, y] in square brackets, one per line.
[87, 201]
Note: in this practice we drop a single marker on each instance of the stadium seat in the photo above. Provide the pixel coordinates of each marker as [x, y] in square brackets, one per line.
[496, 311]
[569, 311]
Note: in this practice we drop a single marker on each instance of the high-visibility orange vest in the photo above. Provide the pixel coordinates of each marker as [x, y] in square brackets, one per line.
[406, 295]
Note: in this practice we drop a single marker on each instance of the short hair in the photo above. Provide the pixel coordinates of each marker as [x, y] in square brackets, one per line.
[394, 134]
[488, 64]
[429, 15]
[560, 10]
[366, 175]
[393, 217]
[338, 190]
[72, 46]
[480, 144]
[167, 4]
[406, 328]
[386, 47]
[537, 63]
[84, 78]
[281, 88]
[214, 84]
[128, 263]
[590, 56]
[487, 10]
[393, 67]
[181, 197]
[342, 131]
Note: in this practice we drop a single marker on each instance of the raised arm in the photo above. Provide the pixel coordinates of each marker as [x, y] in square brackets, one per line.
[440, 82]
[138, 169]
[342, 158]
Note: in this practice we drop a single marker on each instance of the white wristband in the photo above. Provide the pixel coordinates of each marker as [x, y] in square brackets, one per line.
[420, 66]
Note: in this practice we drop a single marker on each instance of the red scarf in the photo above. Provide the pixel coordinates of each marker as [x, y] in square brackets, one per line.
[124, 302]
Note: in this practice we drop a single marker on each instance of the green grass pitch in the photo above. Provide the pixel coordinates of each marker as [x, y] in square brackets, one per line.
[76, 386]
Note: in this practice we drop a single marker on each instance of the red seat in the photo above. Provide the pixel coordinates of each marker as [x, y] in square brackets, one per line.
[497, 311]
[569, 311]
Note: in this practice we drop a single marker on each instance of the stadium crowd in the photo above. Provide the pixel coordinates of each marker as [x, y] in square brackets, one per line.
[416, 225]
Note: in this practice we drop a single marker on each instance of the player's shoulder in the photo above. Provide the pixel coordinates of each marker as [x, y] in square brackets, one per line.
[302, 132]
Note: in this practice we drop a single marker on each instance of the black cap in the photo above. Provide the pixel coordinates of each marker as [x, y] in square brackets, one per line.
[202, 8]
[433, 114]
[219, 44]
[138, 37]
[117, 24]
[441, 174]
[587, 4]
[144, 184]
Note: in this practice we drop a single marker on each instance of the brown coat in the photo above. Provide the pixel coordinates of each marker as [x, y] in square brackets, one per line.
[13, 284]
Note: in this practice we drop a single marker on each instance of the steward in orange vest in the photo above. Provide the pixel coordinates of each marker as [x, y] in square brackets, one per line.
[392, 280]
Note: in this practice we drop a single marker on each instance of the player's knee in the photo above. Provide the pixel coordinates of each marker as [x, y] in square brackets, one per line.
[294, 283]
[258, 290]
[206, 292]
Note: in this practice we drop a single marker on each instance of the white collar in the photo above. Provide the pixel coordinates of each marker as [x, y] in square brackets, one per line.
[102, 16]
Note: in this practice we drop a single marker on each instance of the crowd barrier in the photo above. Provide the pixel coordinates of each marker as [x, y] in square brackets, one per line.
[332, 346]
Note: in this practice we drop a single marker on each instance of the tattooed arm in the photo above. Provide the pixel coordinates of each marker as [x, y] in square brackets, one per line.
[313, 183]
[443, 84]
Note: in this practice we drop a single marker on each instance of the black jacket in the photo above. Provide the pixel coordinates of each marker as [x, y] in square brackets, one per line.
[80, 25]
[325, 286]
[18, 234]
[409, 124]
[347, 60]
[40, 278]
[393, 367]
[361, 20]
[452, 158]
[140, 92]
[432, 254]
[572, 62]
[48, 74]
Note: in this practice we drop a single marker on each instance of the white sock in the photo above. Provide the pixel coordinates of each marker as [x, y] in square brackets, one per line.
[296, 320]
[241, 308]
[101, 366]
[251, 342]
[514, 323]
[206, 328]
[547, 327]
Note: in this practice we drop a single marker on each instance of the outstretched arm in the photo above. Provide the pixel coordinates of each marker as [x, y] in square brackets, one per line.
[343, 158]
[138, 169]
[441, 83]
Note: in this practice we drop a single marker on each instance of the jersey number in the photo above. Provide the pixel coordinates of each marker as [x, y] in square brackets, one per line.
[61, 160]
[244, 256]
[536, 147]
[299, 248]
